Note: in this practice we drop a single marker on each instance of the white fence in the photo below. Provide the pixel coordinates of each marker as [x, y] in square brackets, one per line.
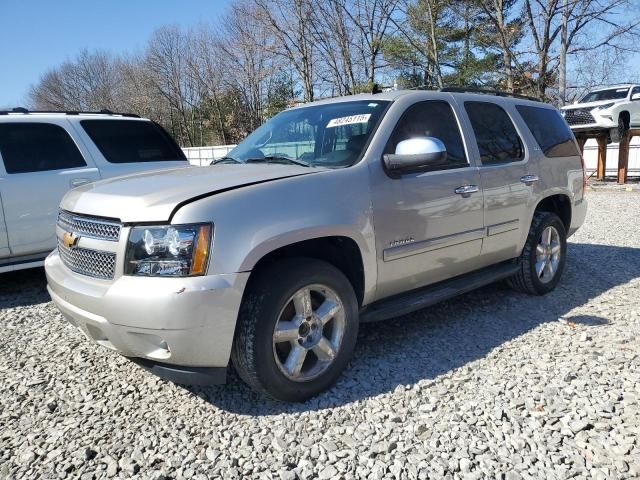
[202, 156]
[205, 155]
[591, 157]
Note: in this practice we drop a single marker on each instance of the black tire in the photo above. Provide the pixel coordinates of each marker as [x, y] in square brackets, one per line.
[623, 127]
[527, 279]
[268, 293]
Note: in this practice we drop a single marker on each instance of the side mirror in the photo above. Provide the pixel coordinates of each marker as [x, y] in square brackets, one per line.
[416, 155]
[635, 96]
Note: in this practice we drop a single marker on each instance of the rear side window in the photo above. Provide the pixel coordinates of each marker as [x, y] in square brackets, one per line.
[132, 141]
[431, 118]
[550, 131]
[37, 147]
[498, 140]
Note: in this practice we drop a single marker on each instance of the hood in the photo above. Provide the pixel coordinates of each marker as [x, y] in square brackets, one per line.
[590, 105]
[152, 196]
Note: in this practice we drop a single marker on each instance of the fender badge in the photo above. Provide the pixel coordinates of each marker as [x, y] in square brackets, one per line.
[70, 240]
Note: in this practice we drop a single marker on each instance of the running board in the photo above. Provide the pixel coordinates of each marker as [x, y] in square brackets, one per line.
[424, 297]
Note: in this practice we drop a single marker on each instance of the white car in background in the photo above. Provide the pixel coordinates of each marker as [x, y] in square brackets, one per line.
[615, 109]
[44, 154]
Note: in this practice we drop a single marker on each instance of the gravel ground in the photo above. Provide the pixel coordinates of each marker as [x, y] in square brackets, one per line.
[493, 384]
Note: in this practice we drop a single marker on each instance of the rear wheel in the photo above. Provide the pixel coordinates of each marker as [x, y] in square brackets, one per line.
[297, 329]
[543, 257]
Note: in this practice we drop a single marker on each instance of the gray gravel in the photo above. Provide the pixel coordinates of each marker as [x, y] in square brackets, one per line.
[491, 385]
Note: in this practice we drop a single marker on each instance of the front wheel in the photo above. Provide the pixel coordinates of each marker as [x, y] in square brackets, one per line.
[617, 134]
[296, 330]
[543, 257]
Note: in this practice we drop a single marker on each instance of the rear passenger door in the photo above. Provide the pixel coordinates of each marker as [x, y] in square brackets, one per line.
[508, 178]
[40, 163]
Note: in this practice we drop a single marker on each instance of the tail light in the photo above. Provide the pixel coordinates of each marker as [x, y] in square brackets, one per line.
[584, 174]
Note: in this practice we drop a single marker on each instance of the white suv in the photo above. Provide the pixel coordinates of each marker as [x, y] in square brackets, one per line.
[615, 108]
[44, 154]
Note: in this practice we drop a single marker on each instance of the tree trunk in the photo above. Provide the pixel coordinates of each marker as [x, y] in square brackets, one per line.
[563, 53]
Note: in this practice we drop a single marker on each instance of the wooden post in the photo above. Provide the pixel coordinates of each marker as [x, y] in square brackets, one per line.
[623, 157]
[581, 141]
[602, 156]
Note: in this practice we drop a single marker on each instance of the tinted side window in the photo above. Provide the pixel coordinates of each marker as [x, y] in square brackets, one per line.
[431, 118]
[550, 131]
[132, 141]
[635, 90]
[36, 147]
[498, 140]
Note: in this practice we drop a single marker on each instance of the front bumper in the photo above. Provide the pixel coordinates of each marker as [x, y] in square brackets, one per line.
[578, 215]
[601, 122]
[172, 324]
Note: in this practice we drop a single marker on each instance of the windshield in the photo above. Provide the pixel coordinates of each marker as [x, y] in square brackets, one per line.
[330, 135]
[611, 94]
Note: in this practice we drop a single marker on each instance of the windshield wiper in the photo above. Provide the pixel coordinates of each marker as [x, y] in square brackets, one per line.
[277, 159]
[226, 159]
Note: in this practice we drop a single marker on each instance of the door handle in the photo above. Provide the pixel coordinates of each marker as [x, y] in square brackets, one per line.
[529, 179]
[76, 182]
[466, 190]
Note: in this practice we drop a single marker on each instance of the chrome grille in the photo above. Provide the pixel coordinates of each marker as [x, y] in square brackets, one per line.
[89, 226]
[88, 262]
[579, 116]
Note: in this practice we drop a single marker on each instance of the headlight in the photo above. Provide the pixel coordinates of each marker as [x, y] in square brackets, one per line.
[168, 251]
[605, 106]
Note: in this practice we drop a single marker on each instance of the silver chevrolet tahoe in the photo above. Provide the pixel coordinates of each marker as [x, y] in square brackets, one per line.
[336, 212]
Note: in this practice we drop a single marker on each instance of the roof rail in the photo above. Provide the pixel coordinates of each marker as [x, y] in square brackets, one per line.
[497, 93]
[104, 111]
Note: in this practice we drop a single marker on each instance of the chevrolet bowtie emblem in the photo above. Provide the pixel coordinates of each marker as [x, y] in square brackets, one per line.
[70, 240]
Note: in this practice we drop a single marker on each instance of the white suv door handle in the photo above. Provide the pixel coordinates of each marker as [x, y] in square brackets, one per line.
[76, 182]
[529, 179]
[466, 189]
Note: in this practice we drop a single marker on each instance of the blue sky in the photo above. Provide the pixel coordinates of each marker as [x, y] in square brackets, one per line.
[39, 34]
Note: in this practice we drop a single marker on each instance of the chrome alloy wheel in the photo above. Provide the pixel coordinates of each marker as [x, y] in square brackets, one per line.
[309, 332]
[548, 254]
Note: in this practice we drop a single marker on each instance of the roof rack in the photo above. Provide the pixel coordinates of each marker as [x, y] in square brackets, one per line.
[497, 93]
[104, 111]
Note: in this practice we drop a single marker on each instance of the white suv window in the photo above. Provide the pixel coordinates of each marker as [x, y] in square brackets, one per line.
[132, 141]
[37, 147]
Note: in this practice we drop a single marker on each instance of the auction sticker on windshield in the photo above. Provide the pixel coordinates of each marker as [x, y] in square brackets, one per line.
[351, 119]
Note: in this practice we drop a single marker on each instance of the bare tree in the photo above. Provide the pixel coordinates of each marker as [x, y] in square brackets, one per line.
[89, 82]
[333, 34]
[506, 33]
[289, 21]
[371, 19]
[166, 61]
[544, 35]
[598, 25]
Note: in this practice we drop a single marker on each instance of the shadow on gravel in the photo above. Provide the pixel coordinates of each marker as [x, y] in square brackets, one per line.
[431, 342]
[22, 288]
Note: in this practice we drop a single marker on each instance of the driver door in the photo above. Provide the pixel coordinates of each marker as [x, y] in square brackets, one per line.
[425, 231]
